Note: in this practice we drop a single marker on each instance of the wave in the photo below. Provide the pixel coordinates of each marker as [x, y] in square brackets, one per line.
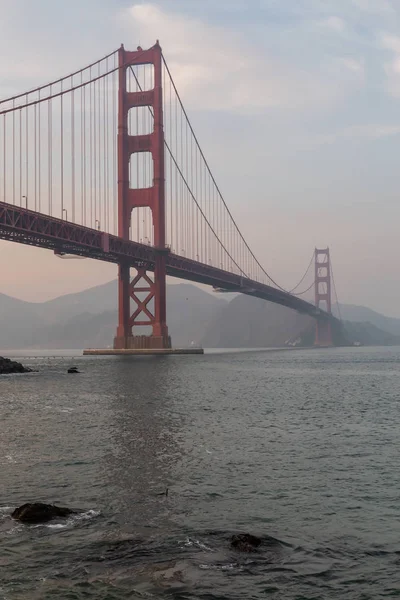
[189, 542]
[73, 520]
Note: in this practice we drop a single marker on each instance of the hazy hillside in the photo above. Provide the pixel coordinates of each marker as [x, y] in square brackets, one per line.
[362, 314]
[253, 323]
[250, 322]
[89, 319]
[368, 334]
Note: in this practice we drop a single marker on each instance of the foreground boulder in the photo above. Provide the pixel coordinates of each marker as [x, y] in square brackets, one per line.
[37, 512]
[8, 366]
[245, 542]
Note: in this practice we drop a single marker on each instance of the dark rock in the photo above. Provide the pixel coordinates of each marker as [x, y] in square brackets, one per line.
[8, 366]
[245, 542]
[73, 370]
[37, 512]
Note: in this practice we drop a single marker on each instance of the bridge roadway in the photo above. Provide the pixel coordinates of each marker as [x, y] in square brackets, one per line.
[28, 227]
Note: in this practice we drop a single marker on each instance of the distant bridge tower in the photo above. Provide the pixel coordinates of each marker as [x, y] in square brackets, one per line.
[146, 292]
[323, 298]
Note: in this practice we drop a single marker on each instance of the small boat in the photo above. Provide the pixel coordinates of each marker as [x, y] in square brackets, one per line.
[194, 345]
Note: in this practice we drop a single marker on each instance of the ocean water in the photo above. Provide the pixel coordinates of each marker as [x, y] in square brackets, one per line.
[301, 448]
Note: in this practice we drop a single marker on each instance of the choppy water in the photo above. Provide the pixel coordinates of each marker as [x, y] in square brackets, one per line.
[300, 448]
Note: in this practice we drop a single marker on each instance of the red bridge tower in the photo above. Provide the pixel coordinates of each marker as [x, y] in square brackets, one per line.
[323, 331]
[146, 291]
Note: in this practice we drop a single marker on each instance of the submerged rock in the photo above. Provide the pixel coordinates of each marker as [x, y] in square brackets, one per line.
[245, 542]
[8, 366]
[38, 512]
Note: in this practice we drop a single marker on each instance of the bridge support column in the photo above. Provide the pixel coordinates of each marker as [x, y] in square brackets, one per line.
[146, 292]
[323, 334]
[123, 330]
[323, 330]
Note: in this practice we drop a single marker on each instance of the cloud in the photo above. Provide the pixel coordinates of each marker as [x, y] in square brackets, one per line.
[217, 69]
[24, 65]
[369, 131]
[354, 66]
[392, 67]
[377, 7]
[391, 42]
[335, 24]
[35, 39]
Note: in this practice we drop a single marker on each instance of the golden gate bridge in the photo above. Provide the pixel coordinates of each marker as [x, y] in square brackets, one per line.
[104, 163]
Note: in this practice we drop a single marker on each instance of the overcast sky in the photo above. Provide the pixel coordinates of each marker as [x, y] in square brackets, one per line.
[297, 107]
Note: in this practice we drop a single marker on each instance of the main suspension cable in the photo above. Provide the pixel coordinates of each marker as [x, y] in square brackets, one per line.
[42, 87]
[303, 278]
[304, 291]
[217, 188]
[188, 187]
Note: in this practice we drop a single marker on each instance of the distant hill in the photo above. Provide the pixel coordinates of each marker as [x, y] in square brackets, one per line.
[362, 314]
[89, 319]
[368, 334]
[253, 323]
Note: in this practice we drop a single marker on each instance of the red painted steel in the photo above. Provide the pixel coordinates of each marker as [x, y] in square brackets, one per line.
[154, 307]
[210, 237]
[28, 227]
[323, 331]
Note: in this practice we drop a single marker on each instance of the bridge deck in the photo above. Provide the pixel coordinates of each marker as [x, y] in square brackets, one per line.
[24, 226]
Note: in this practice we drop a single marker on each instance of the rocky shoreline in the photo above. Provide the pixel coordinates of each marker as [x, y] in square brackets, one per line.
[8, 366]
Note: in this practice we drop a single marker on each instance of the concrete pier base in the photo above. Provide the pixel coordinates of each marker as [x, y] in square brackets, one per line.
[140, 351]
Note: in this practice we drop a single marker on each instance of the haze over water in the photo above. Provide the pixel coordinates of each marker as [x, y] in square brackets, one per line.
[300, 448]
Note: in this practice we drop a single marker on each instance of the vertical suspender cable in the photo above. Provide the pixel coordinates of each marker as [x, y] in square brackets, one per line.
[82, 166]
[170, 167]
[20, 157]
[13, 163]
[90, 154]
[35, 151]
[99, 144]
[50, 154]
[179, 160]
[198, 224]
[73, 153]
[104, 128]
[165, 166]
[4, 155]
[194, 212]
[27, 153]
[94, 151]
[106, 153]
[114, 137]
[62, 153]
[176, 180]
[39, 158]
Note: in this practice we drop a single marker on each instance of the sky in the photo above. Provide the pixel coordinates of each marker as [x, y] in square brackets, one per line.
[297, 108]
